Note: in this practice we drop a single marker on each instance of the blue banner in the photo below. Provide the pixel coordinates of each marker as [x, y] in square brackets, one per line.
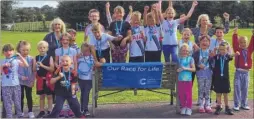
[132, 75]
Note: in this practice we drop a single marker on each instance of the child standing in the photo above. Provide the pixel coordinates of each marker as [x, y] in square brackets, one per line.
[73, 43]
[243, 64]
[170, 31]
[152, 32]
[65, 82]
[26, 77]
[221, 84]
[11, 91]
[119, 28]
[186, 66]
[44, 67]
[204, 74]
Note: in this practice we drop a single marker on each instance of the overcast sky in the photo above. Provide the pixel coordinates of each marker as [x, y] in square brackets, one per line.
[36, 3]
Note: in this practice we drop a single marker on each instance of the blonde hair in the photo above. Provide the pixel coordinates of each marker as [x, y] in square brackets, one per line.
[170, 9]
[67, 35]
[42, 43]
[96, 27]
[85, 45]
[60, 21]
[187, 30]
[181, 47]
[136, 14]
[66, 56]
[22, 43]
[243, 38]
[119, 9]
[200, 17]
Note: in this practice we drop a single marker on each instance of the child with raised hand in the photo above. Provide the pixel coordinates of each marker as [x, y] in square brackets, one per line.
[100, 43]
[26, 77]
[186, 66]
[203, 58]
[221, 83]
[44, 68]
[170, 31]
[119, 28]
[11, 91]
[186, 35]
[86, 64]
[243, 64]
[152, 29]
[65, 81]
[94, 17]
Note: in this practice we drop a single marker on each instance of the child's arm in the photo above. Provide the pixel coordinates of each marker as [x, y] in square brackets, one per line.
[195, 47]
[235, 40]
[93, 51]
[226, 24]
[146, 8]
[156, 15]
[75, 64]
[55, 79]
[23, 62]
[86, 35]
[161, 16]
[125, 40]
[108, 15]
[128, 18]
[251, 44]
[51, 65]
[192, 67]
[194, 4]
[73, 88]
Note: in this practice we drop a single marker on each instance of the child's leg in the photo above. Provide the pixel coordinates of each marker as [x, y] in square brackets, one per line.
[82, 95]
[57, 108]
[87, 85]
[173, 52]
[188, 90]
[218, 98]
[29, 98]
[42, 102]
[244, 89]
[225, 99]
[201, 88]
[106, 54]
[75, 106]
[208, 83]
[50, 102]
[181, 92]
[237, 89]
[22, 97]
[123, 54]
[7, 96]
[166, 52]
[17, 100]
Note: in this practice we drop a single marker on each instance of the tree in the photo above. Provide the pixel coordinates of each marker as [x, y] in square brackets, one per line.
[6, 11]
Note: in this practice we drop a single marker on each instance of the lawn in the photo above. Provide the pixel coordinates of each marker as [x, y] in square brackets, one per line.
[127, 96]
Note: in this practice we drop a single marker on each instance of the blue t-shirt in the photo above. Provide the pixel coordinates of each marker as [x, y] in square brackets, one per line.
[85, 67]
[10, 77]
[185, 62]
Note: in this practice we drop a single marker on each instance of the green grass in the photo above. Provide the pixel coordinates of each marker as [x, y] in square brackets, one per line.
[127, 96]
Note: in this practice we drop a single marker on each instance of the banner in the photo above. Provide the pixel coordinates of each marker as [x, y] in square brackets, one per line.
[132, 75]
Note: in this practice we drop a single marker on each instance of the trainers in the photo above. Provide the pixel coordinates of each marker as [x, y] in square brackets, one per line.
[41, 114]
[236, 108]
[228, 111]
[70, 113]
[201, 110]
[245, 107]
[62, 113]
[188, 111]
[86, 113]
[183, 110]
[208, 109]
[218, 110]
[30, 114]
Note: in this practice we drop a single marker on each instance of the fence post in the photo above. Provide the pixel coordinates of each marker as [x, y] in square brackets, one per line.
[93, 93]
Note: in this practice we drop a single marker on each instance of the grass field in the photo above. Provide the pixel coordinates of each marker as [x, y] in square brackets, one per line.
[127, 96]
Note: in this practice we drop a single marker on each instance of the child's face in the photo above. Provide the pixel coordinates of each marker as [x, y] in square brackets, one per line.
[204, 21]
[223, 50]
[118, 15]
[170, 14]
[42, 49]
[204, 43]
[86, 51]
[94, 17]
[150, 21]
[66, 62]
[243, 42]
[219, 33]
[9, 53]
[24, 50]
[184, 51]
[65, 41]
[73, 37]
[97, 34]
[186, 35]
[135, 21]
[57, 27]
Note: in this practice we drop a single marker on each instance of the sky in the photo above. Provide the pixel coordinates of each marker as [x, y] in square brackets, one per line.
[35, 3]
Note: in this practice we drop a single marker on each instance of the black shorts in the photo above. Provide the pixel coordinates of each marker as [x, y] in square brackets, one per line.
[152, 56]
[221, 85]
[104, 54]
[136, 59]
[45, 90]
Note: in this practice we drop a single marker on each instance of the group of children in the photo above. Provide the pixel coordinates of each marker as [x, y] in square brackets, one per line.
[71, 67]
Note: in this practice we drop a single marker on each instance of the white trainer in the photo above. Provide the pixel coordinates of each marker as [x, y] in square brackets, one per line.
[183, 110]
[188, 111]
[30, 114]
[236, 108]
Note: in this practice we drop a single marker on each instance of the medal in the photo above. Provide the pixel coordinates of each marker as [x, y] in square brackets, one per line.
[245, 52]
[246, 64]
[40, 60]
[222, 63]
[118, 31]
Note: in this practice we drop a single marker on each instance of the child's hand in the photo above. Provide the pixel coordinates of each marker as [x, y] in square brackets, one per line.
[18, 54]
[226, 15]
[119, 37]
[212, 54]
[61, 75]
[142, 34]
[146, 8]
[201, 66]
[237, 53]
[210, 25]
[7, 65]
[24, 78]
[179, 69]
[235, 30]
[40, 64]
[182, 15]
[107, 5]
[195, 3]
[103, 60]
[32, 84]
[130, 8]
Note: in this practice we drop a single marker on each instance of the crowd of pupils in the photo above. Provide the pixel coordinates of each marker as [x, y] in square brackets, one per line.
[61, 68]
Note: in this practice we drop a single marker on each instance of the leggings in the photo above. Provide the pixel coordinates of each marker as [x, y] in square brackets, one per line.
[28, 91]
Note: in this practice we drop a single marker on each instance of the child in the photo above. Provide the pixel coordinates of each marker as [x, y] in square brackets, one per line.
[221, 83]
[26, 77]
[137, 49]
[186, 66]
[73, 43]
[65, 82]
[170, 34]
[186, 35]
[11, 91]
[99, 43]
[152, 31]
[44, 67]
[117, 28]
[94, 17]
[243, 64]
[204, 74]
[86, 63]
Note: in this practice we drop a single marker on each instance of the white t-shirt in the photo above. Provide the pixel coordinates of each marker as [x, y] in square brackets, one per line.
[137, 43]
[88, 30]
[170, 31]
[150, 33]
[69, 51]
[85, 67]
[190, 44]
[103, 43]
